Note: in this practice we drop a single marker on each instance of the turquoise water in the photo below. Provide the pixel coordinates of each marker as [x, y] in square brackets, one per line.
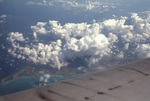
[24, 83]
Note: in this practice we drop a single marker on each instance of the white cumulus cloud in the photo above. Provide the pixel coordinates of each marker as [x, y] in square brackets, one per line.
[55, 44]
[15, 37]
[143, 50]
[45, 78]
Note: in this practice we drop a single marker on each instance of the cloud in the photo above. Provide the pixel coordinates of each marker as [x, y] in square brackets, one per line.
[41, 3]
[45, 78]
[59, 45]
[40, 27]
[92, 5]
[2, 17]
[71, 4]
[143, 50]
[15, 37]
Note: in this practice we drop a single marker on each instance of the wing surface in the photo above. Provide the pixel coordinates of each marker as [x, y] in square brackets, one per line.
[129, 82]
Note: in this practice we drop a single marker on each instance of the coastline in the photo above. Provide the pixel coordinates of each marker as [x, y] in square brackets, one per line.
[24, 83]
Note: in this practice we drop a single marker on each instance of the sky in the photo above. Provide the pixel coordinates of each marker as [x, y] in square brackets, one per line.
[59, 33]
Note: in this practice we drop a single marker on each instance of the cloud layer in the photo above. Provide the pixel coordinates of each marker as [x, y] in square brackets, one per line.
[55, 45]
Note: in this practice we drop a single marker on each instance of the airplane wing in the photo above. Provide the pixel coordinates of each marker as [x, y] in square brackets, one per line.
[129, 82]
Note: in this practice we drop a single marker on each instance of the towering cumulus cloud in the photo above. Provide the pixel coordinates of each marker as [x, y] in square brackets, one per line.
[55, 44]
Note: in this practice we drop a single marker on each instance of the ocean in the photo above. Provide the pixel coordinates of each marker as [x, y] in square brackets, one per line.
[25, 83]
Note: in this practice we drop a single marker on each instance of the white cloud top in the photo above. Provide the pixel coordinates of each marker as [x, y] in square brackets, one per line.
[45, 78]
[56, 44]
[15, 37]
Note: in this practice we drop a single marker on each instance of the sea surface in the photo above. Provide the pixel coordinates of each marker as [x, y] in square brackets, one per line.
[24, 83]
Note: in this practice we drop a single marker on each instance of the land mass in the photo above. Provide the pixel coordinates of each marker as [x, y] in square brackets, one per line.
[41, 70]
